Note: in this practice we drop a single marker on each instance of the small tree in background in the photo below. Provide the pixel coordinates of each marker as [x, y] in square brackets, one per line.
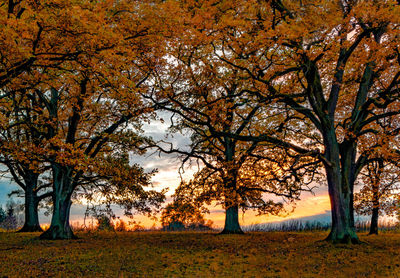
[120, 226]
[13, 215]
[379, 194]
[182, 214]
[2, 215]
[104, 223]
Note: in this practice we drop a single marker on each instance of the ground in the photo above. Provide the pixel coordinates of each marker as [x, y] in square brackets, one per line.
[184, 254]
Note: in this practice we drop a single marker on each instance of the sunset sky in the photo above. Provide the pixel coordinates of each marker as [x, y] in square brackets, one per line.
[168, 176]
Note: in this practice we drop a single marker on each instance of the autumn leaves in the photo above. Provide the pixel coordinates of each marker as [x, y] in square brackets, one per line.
[302, 87]
[75, 109]
[275, 94]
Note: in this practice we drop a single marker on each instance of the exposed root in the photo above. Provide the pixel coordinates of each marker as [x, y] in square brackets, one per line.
[228, 232]
[30, 229]
[345, 239]
[55, 233]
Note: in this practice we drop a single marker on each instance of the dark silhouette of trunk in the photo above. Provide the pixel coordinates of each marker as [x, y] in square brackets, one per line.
[341, 173]
[59, 227]
[31, 202]
[374, 221]
[343, 229]
[62, 188]
[31, 213]
[340, 159]
[375, 212]
[375, 172]
[232, 221]
[232, 225]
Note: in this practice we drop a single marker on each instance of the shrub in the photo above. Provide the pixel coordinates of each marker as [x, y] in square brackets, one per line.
[104, 223]
[121, 226]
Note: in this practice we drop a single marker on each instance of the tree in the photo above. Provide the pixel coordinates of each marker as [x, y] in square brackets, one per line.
[380, 177]
[91, 95]
[33, 39]
[104, 223]
[378, 194]
[18, 137]
[214, 102]
[120, 226]
[2, 214]
[29, 182]
[12, 219]
[182, 213]
[33, 190]
[74, 163]
[334, 79]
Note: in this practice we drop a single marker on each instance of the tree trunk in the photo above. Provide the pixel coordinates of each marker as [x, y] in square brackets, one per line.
[31, 204]
[31, 213]
[341, 174]
[343, 229]
[375, 177]
[59, 227]
[231, 203]
[374, 220]
[62, 192]
[232, 221]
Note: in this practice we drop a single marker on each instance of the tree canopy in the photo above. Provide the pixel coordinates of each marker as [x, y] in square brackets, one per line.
[276, 96]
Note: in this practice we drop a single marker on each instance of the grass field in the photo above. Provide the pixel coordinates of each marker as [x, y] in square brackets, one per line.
[161, 254]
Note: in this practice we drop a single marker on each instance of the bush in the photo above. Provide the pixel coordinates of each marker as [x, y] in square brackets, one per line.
[104, 223]
[121, 226]
[180, 216]
[200, 226]
[174, 226]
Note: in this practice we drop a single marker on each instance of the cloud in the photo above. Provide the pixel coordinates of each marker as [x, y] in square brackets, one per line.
[5, 188]
[310, 206]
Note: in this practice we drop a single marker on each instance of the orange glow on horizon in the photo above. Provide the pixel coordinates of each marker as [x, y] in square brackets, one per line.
[312, 205]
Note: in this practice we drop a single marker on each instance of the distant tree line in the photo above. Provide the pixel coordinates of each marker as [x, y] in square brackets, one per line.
[10, 216]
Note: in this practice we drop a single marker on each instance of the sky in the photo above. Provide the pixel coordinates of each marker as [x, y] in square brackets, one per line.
[168, 176]
[316, 204]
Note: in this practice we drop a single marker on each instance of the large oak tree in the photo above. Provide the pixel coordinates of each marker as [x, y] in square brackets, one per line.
[330, 67]
[334, 64]
[213, 102]
[17, 140]
[89, 108]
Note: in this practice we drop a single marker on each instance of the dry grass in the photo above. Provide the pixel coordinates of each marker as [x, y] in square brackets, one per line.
[157, 254]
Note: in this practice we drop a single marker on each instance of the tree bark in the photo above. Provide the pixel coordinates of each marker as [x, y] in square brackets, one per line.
[232, 221]
[343, 229]
[31, 204]
[375, 177]
[374, 220]
[62, 192]
[60, 227]
[231, 205]
[340, 173]
[31, 213]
